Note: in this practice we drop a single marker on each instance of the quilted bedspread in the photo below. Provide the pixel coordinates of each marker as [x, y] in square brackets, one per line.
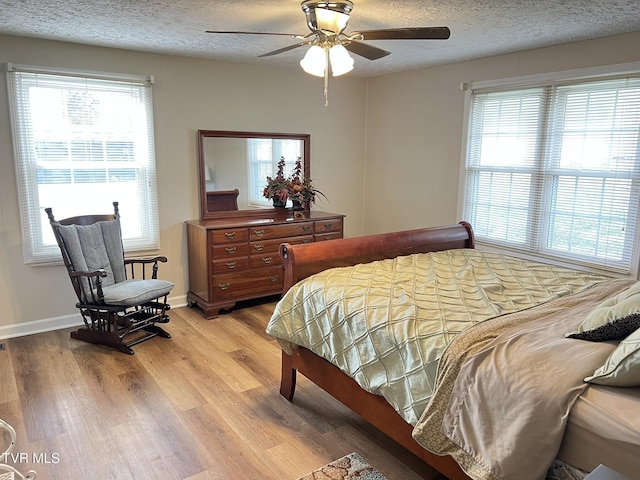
[524, 410]
[387, 323]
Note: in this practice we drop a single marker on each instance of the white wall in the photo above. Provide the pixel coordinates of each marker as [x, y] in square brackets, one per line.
[415, 128]
[188, 94]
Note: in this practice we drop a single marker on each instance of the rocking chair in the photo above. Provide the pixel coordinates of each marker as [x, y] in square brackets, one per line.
[118, 310]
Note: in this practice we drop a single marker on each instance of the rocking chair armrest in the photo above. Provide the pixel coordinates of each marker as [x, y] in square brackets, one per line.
[132, 262]
[97, 273]
[162, 259]
[84, 289]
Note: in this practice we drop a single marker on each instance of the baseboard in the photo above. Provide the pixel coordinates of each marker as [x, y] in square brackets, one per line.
[57, 323]
[39, 326]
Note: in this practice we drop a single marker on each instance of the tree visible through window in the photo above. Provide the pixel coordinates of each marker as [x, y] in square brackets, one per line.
[554, 170]
[82, 141]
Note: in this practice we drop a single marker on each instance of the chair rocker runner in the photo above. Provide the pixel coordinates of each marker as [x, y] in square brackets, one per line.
[118, 309]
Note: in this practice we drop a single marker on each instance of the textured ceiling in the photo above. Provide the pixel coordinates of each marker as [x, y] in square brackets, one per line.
[479, 28]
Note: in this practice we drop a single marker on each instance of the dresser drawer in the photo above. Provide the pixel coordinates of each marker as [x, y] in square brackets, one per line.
[272, 246]
[324, 226]
[280, 231]
[327, 236]
[231, 235]
[239, 285]
[265, 260]
[220, 252]
[230, 265]
[265, 247]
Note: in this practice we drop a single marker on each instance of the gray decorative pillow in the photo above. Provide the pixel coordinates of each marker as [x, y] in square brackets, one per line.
[613, 319]
[622, 368]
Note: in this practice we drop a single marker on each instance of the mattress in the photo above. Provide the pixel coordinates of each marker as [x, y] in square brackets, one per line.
[603, 428]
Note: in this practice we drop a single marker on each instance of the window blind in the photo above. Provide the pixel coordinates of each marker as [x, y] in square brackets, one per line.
[82, 141]
[553, 170]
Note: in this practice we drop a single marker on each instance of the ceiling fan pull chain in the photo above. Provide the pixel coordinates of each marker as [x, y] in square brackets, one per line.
[326, 77]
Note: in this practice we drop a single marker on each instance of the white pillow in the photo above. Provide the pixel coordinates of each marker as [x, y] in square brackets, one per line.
[622, 368]
[613, 319]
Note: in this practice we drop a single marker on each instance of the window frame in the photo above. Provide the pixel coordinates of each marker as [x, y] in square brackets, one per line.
[540, 252]
[142, 234]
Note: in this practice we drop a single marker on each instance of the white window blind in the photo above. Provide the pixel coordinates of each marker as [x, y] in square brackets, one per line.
[554, 171]
[81, 142]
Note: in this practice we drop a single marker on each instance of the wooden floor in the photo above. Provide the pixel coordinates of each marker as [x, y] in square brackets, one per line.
[202, 405]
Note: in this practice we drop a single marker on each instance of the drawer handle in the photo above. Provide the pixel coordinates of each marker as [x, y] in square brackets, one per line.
[328, 225]
[231, 249]
[230, 234]
[231, 264]
[273, 278]
[224, 286]
[306, 228]
[307, 240]
[259, 247]
[267, 260]
[328, 237]
[259, 233]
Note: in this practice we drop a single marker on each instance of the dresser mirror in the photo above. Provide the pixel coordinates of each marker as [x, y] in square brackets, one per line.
[230, 160]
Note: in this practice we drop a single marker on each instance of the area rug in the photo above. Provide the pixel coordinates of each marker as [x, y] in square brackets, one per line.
[353, 466]
[349, 467]
[562, 471]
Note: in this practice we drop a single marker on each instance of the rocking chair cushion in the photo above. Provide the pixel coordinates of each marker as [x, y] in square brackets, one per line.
[135, 292]
[94, 247]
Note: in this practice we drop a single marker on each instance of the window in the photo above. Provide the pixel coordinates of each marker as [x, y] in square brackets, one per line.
[82, 141]
[264, 155]
[553, 170]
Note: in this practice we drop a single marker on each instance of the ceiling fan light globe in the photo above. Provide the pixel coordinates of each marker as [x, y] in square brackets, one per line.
[314, 61]
[330, 21]
[341, 61]
[327, 17]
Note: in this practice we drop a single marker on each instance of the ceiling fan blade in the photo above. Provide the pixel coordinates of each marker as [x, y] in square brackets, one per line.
[286, 49]
[294, 35]
[367, 51]
[418, 33]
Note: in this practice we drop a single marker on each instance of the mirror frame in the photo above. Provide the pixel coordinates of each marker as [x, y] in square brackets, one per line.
[204, 134]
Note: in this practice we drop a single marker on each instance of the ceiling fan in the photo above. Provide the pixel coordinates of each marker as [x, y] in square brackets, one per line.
[330, 45]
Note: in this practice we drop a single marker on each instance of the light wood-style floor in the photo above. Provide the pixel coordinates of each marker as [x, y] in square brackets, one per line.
[202, 405]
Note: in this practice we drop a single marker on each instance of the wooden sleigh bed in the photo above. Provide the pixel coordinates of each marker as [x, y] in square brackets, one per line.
[302, 261]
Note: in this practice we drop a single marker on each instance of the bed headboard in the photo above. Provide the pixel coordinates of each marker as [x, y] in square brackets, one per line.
[303, 260]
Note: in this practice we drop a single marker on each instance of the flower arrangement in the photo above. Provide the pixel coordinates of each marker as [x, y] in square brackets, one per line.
[277, 188]
[299, 189]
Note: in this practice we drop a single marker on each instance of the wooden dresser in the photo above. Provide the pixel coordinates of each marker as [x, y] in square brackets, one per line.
[236, 257]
